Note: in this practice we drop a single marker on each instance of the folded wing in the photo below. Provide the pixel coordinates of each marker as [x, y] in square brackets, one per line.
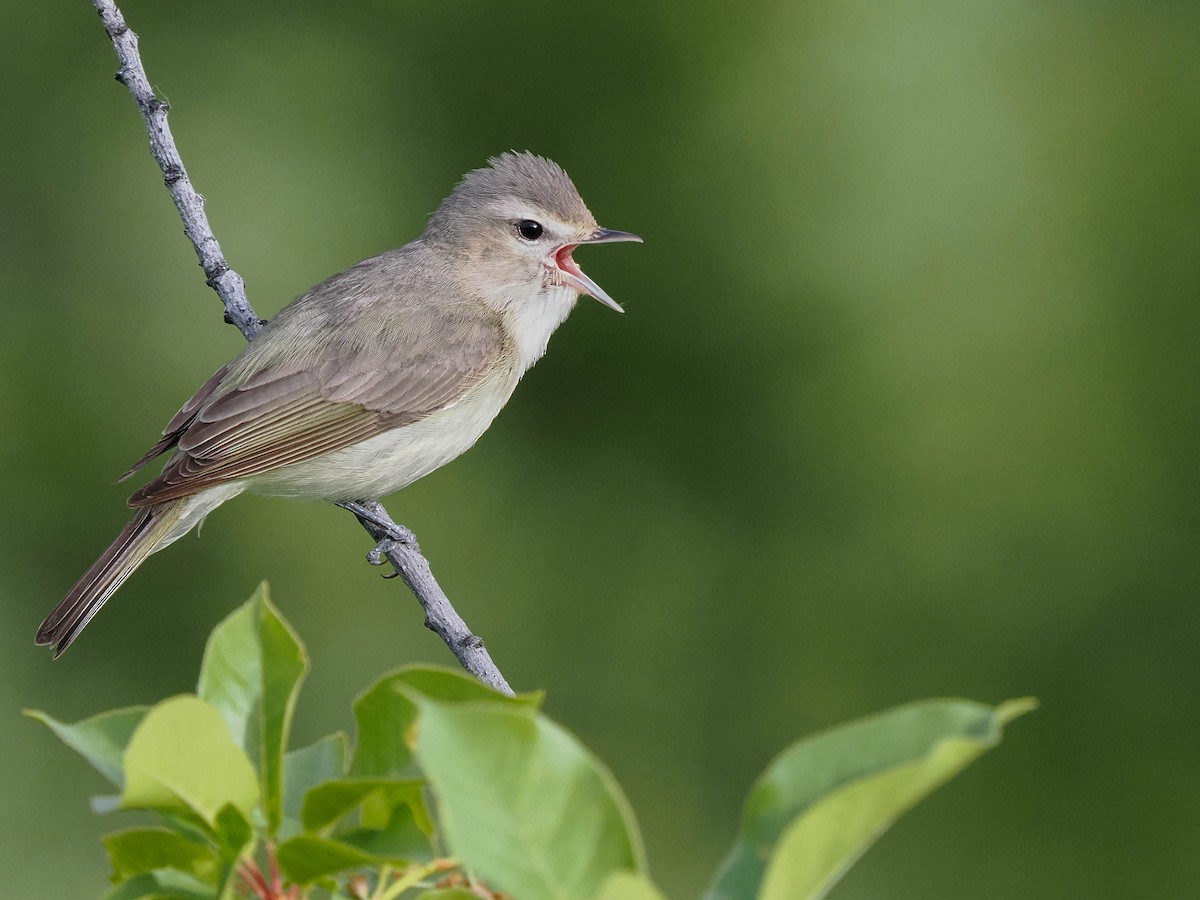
[287, 412]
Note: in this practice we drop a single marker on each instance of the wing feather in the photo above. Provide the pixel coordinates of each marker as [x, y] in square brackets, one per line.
[287, 412]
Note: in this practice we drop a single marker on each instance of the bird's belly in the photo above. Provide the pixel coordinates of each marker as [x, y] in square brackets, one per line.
[394, 459]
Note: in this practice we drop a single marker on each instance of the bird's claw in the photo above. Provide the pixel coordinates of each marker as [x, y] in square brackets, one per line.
[378, 555]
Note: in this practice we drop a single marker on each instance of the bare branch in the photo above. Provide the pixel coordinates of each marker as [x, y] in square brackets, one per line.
[395, 542]
[227, 283]
[399, 545]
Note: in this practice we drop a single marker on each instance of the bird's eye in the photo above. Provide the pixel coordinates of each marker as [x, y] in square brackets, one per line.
[529, 229]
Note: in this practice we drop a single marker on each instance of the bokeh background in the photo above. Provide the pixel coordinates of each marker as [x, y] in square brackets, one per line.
[904, 403]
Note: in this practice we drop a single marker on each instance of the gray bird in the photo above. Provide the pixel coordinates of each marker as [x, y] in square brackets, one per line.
[373, 378]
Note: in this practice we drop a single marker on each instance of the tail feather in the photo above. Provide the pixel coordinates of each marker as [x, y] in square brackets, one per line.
[137, 540]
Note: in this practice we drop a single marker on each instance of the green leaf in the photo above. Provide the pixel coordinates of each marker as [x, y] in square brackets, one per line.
[402, 839]
[182, 758]
[135, 851]
[328, 803]
[234, 831]
[448, 685]
[449, 894]
[252, 670]
[827, 798]
[101, 739]
[522, 802]
[628, 886]
[306, 768]
[384, 714]
[166, 884]
[306, 858]
[235, 840]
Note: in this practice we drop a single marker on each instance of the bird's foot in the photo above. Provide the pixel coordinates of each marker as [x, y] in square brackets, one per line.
[389, 533]
[377, 555]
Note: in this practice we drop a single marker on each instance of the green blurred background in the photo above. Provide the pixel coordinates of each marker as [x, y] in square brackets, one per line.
[903, 405]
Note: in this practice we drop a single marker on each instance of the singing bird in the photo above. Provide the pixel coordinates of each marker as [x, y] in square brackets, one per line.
[373, 378]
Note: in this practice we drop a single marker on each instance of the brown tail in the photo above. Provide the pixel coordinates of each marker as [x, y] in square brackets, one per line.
[137, 540]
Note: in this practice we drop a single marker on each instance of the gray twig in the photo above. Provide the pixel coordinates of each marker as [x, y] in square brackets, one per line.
[395, 542]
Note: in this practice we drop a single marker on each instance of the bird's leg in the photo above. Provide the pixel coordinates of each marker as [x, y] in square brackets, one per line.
[389, 534]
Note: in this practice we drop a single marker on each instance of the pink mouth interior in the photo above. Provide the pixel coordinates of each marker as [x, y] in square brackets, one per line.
[566, 263]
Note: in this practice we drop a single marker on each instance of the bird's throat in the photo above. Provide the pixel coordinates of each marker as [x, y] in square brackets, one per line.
[532, 321]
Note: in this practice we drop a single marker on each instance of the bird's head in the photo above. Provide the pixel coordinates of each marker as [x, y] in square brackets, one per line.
[515, 224]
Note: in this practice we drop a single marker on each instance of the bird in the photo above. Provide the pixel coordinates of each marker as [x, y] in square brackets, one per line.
[373, 378]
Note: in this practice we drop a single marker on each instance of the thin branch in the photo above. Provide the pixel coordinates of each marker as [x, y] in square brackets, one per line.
[399, 545]
[395, 542]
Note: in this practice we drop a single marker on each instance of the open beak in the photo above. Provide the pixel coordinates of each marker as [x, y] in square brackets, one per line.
[573, 275]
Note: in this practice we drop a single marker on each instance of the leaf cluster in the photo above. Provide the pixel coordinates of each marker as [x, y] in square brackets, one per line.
[451, 790]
